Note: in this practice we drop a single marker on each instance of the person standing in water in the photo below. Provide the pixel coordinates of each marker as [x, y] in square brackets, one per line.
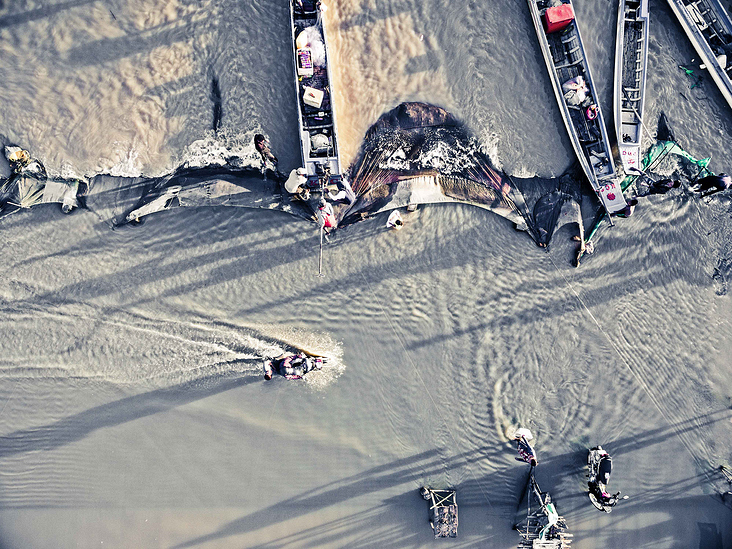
[525, 451]
[326, 217]
[662, 186]
[262, 146]
[713, 184]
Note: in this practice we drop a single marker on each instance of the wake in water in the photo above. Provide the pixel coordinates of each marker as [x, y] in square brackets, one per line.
[78, 342]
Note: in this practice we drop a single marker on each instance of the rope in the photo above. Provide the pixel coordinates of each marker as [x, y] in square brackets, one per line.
[421, 379]
[637, 376]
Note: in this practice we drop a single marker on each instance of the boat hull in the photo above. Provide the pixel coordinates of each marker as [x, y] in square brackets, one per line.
[313, 84]
[631, 61]
[565, 59]
[705, 22]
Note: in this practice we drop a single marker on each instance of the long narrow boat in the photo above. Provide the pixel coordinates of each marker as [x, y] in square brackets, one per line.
[317, 122]
[569, 72]
[708, 26]
[631, 60]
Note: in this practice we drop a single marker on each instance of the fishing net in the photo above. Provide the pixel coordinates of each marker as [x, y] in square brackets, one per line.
[664, 159]
[414, 154]
[420, 154]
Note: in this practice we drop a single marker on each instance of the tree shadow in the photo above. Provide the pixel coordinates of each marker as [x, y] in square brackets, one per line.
[106, 50]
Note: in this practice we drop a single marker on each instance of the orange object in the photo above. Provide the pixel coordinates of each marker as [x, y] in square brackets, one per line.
[557, 18]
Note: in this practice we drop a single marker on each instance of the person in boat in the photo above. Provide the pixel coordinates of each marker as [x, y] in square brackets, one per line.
[575, 90]
[290, 366]
[662, 186]
[722, 48]
[296, 184]
[525, 451]
[262, 145]
[326, 216]
[713, 184]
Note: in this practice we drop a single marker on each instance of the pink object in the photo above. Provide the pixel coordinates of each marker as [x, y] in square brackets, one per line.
[557, 18]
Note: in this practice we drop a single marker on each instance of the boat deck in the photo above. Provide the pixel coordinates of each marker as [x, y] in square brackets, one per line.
[631, 51]
[708, 26]
[569, 62]
[318, 133]
[633, 73]
[566, 59]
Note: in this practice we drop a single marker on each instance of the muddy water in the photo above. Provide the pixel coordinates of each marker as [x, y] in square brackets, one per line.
[131, 407]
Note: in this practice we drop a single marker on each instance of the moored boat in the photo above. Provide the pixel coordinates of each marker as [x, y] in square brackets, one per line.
[631, 59]
[708, 26]
[569, 72]
[316, 116]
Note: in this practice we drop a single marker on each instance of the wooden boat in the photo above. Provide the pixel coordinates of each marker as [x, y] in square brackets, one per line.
[561, 45]
[317, 123]
[708, 26]
[631, 59]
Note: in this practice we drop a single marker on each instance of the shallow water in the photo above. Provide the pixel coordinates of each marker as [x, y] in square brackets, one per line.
[132, 410]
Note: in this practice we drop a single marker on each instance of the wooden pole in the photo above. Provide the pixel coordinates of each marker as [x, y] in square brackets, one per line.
[320, 259]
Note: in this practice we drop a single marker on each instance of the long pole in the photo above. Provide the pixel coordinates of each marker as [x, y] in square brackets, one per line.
[630, 103]
[320, 259]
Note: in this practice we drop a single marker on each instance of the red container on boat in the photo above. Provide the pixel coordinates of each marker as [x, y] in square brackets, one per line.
[557, 18]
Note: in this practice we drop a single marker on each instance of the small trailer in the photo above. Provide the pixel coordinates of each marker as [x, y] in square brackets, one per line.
[443, 512]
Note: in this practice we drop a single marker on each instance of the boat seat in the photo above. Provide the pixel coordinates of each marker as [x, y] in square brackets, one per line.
[696, 15]
[568, 65]
[321, 127]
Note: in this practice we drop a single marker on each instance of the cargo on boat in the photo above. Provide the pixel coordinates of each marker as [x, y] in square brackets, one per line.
[316, 115]
[569, 72]
[443, 512]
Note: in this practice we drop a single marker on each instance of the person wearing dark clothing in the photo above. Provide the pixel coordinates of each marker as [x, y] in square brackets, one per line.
[713, 184]
[662, 186]
[525, 451]
[262, 146]
[290, 366]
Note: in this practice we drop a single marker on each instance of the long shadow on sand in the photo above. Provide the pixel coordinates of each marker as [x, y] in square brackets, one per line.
[412, 469]
[76, 427]
[501, 491]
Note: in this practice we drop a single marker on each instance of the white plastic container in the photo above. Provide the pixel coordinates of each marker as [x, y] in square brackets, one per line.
[312, 97]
